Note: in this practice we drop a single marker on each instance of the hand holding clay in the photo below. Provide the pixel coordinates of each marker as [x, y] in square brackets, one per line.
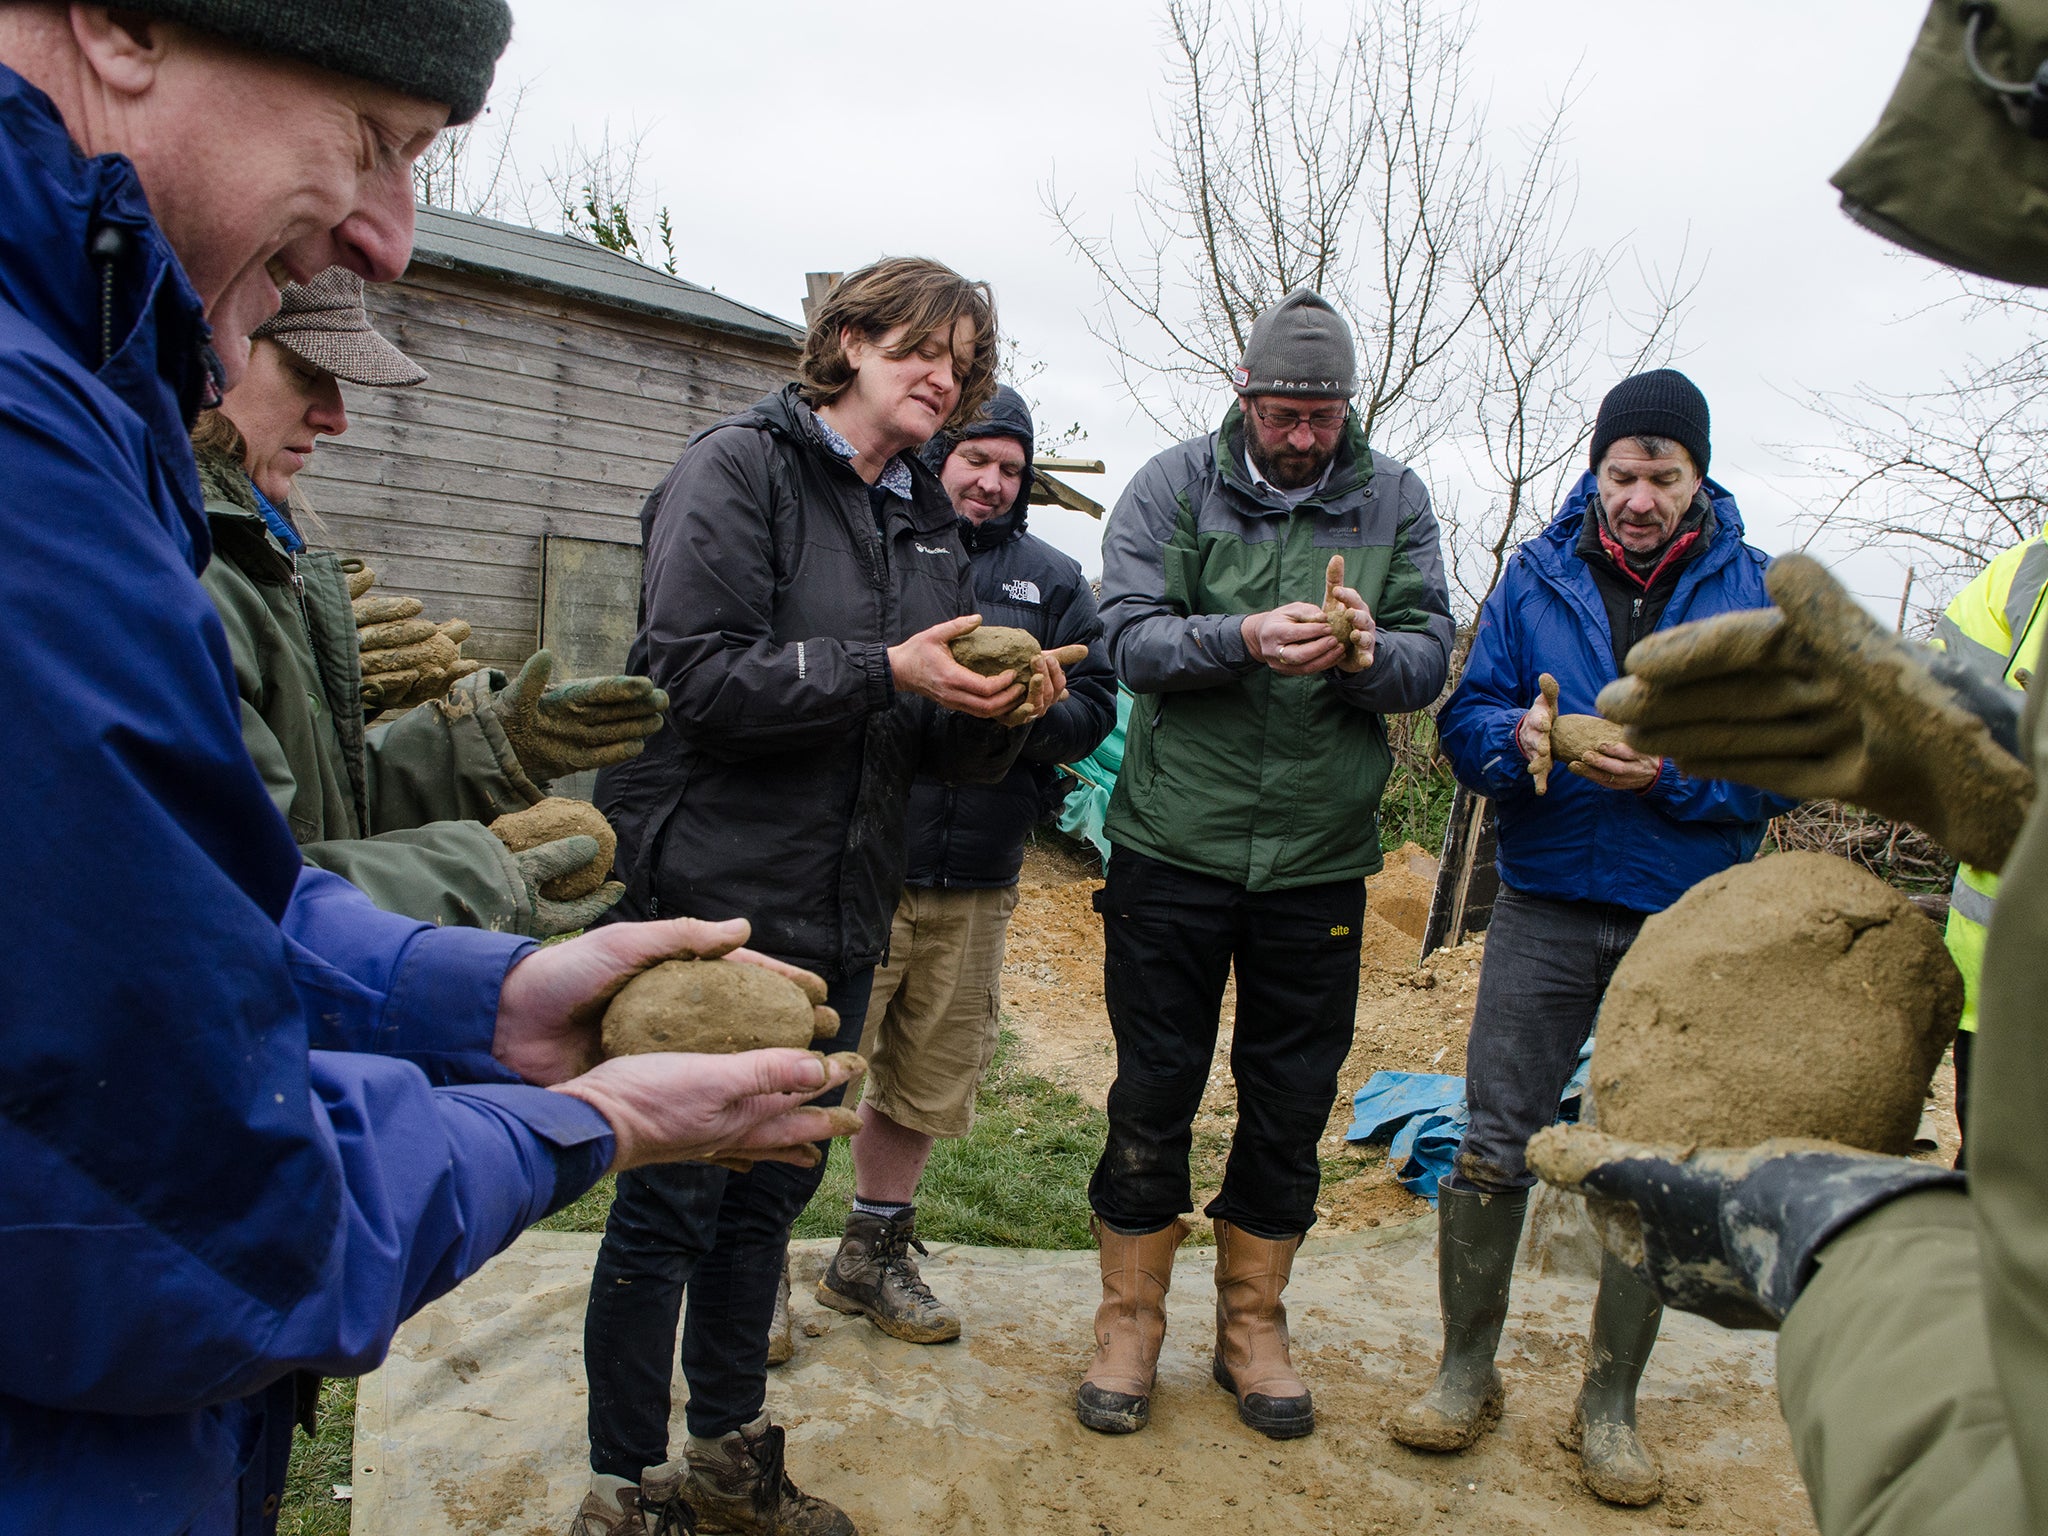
[553, 999]
[1293, 639]
[1593, 748]
[1815, 698]
[993, 650]
[406, 660]
[1350, 621]
[926, 665]
[590, 722]
[732, 1110]
[564, 851]
[1532, 735]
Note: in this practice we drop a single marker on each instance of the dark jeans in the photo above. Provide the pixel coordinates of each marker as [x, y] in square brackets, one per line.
[1965, 1039]
[1170, 938]
[725, 1237]
[1547, 967]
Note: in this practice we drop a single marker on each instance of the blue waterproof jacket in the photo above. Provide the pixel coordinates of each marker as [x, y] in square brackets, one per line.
[207, 1178]
[1580, 842]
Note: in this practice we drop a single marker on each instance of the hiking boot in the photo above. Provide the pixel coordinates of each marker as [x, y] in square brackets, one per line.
[781, 1339]
[873, 1276]
[737, 1485]
[1476, 1238]
[1252, 1363]
[1115, 1397]
[1613, 1460]
[614, 1506]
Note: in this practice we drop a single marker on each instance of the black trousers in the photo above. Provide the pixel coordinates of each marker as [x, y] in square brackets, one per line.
[1547, 967]
[1171, 938]
[724, 1237]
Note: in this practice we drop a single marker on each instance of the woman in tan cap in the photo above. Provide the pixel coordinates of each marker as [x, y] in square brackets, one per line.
[399, 810]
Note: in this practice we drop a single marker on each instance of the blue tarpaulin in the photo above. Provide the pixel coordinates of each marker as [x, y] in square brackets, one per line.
[1422, 1118]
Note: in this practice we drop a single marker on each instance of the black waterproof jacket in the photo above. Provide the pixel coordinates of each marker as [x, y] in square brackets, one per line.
[973, 834]
[767, 607]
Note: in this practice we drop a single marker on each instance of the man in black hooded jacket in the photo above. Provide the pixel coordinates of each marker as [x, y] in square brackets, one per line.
[933, 1016]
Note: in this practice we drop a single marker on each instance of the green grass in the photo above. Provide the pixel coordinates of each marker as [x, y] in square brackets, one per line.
[310, 1508]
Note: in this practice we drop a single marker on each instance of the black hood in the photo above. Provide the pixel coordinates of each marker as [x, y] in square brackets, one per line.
[1005, 415]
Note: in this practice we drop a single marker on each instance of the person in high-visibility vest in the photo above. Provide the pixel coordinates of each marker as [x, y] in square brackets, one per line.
[1995, 626]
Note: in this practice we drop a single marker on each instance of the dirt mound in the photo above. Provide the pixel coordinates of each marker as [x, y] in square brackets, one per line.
[1795, 996]
[1399, 894]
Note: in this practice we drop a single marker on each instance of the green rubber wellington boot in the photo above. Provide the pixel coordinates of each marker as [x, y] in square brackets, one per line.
[1476, 1238]
[1612, 1457]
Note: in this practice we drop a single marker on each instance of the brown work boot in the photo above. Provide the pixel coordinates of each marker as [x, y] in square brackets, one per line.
[1115, 1396]
[781, 1338]
[617, 1507]
[1251, 1333]
[873, 1276]
[737, 1485]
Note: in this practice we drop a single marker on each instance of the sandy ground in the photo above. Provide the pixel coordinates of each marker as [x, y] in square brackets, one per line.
[475, 1425]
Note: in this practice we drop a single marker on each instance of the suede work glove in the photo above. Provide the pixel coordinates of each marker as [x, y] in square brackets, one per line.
[1814, 698]
[406, 660]
[1733, 1236]
[591, 723]
[546, 862]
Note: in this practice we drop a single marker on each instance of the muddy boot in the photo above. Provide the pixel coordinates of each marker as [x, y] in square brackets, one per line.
[1476, 1238]
[1115, 1396]
[1612, 1457]
[1251, 1333]
[736, 1484]
[873, 1275]
[613, 1507]
[781, 1339]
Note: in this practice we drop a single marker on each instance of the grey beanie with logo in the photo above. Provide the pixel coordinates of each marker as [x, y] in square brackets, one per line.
[1301, 346]
[437, 50]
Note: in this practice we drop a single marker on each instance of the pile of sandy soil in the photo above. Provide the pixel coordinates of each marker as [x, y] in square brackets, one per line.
[1411, 1018]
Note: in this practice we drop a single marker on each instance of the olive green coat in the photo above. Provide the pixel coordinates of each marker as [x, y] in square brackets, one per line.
[398, 810]
[1914, 1369]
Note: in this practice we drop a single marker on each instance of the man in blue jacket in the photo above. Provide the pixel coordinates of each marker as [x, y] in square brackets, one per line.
[248, 1123]
[932, 1019]
[1644, 541]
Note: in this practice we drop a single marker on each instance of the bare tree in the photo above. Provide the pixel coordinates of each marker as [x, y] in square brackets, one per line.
[472, 169]
[1549, 317]
[1352, 167]
[1948, 476]
[599, 196]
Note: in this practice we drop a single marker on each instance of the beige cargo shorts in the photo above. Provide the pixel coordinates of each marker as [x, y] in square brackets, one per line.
[936, 1008]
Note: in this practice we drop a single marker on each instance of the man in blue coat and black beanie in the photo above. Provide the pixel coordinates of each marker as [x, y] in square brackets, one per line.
[933, 1017]
[1644, 541]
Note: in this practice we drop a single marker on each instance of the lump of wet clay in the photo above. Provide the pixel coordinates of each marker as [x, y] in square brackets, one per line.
[555, 818]
[1574, 738]
[993, 650]
[715, 1006]
[1794, 996]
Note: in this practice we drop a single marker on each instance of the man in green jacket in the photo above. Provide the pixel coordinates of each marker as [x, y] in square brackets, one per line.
[398, 809]
[1269, 592]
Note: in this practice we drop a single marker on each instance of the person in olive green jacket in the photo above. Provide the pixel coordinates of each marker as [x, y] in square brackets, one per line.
[398, 809]
[1912, 1300]
[1243, 825]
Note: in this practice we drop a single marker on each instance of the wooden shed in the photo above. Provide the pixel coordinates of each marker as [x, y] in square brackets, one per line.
[564, 380]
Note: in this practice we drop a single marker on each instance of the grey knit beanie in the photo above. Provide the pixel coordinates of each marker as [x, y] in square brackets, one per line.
[437, 50]
[1301, 346]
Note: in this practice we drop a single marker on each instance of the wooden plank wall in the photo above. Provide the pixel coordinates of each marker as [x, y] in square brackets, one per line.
[540, 415]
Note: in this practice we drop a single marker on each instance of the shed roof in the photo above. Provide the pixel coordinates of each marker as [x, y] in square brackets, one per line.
[463, 242]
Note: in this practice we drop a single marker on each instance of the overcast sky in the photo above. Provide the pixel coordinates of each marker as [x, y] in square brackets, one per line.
[790, 137]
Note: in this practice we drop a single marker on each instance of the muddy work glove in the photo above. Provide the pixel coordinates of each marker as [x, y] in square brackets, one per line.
[406, 659]
[547, 863]
[591, 723]
[1733, 1236]
[1815, 699]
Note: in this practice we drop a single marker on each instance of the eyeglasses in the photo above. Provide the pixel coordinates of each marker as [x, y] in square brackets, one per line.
[1328, 419]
